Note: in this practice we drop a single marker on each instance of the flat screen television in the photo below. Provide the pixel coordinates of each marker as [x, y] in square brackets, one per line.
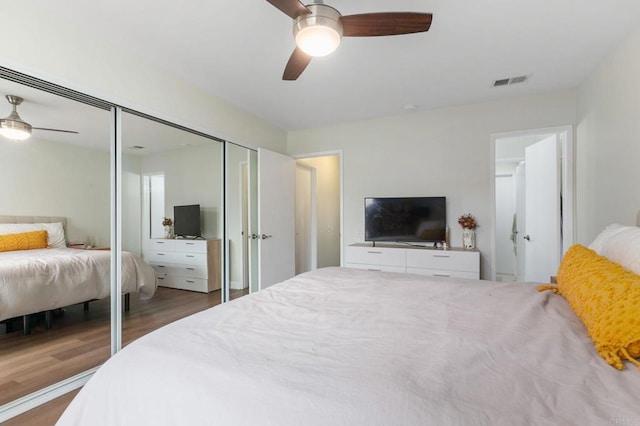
[407, 219]
[186, 221]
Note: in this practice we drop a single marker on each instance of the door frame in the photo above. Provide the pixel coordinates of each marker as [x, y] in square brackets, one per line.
[339, 154]
[313, 215]
[567, 148]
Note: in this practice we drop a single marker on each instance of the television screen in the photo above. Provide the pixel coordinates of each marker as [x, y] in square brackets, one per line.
[410, 219]
[186, 220]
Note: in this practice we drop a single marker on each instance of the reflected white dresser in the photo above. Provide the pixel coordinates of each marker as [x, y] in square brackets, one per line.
[186, 264]
[453, 262]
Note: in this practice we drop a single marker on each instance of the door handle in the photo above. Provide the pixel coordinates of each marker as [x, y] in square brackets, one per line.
[527, 237]
[265, 236]
[255, 236]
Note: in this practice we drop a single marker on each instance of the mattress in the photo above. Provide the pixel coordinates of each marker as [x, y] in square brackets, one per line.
[342, 346]
[38, 280]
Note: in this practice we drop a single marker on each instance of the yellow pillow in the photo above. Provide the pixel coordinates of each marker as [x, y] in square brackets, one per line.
[23, 241]
[606, 297]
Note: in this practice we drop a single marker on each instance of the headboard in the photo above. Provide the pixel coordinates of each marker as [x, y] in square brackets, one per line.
[34, 219]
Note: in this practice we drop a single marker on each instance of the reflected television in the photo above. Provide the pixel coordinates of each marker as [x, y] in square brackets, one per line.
[186, 221]
[406, 219]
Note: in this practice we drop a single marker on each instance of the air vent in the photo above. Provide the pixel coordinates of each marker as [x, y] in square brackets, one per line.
[512, 80]
[137, 147]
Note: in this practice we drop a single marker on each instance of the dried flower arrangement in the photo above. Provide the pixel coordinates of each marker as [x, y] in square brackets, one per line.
[167, 221]
[467, 221]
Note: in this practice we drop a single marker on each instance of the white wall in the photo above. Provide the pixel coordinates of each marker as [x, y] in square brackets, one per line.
[438, 152]
[192, 175]
[55, 50]
[328, 208]
[608, 142]
[42, 178]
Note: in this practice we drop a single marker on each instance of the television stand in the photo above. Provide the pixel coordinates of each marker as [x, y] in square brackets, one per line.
[435, 262]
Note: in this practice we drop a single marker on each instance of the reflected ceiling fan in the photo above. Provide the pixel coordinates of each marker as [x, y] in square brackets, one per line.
[14, 127]
[318, 29]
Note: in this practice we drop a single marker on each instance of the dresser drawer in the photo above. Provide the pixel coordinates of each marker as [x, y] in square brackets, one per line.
[191, 246]
[444, 260]
[184, 283]
[194, 271]
[444, 273]
[379, 268]
[161, 245]
[375, 256]
[191, 258]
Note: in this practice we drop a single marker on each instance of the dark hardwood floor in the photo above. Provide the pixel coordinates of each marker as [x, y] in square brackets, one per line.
[80, 340]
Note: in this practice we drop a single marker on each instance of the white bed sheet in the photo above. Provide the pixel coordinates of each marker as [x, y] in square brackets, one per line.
[350, 347]
[38, 280]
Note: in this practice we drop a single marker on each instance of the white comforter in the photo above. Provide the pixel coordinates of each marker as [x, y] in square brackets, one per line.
[38, 280]
[350, 347]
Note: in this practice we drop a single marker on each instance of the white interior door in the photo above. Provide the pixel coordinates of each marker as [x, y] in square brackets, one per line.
[276, 217]
[521, 220]
[542, 236]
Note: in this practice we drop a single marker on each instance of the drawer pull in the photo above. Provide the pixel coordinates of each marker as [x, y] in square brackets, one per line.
[161, 266]
[190, 282]
[160, 254]
[159, 242]
[375, 270]
[189, 255]
[441, 255]
[374, 252]
[442, 275]
[160, 278]
[191, 269]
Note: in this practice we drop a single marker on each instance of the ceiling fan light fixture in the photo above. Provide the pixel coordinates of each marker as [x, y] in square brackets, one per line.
[15, 129]
[319, 32]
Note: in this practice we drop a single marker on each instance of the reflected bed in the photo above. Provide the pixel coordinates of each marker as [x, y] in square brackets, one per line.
[37, 280]
[351, 347]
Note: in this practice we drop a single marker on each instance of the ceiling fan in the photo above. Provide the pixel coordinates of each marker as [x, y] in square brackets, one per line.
[318, 29]
[14, 127]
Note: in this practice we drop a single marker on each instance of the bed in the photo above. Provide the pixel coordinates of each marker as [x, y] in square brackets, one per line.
[341, 346]
[40, 280]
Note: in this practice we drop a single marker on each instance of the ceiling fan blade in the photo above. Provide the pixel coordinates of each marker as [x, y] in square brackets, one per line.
[385, 24]
[55, 130]
[297, 63]
[293, 8]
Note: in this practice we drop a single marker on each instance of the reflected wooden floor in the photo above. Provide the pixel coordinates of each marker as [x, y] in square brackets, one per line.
[80, 340]
[234, 294]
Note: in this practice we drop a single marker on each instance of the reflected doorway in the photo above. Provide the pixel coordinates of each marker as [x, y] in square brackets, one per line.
[241, 201]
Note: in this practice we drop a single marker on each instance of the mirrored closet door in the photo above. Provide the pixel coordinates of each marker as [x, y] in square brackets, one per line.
[241, 220]
[54, 286]
[172, 217]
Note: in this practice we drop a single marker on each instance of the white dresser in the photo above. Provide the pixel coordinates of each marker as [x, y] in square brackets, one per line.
[453, 262]
[186, 264]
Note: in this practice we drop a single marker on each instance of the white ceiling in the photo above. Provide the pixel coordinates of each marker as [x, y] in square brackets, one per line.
[237, 51]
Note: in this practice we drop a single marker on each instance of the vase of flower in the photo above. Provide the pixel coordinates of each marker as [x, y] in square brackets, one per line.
[168, 227]
[469, 225]
[468, 238]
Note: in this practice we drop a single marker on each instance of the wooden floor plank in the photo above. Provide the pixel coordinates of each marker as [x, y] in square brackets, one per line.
[80, 340]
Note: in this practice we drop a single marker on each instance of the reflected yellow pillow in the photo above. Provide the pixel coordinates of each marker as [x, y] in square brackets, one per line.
[606, 297]
[23, 241]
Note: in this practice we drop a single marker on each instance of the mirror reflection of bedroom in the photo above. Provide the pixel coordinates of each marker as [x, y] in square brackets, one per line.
[54, 322]
[57, 324]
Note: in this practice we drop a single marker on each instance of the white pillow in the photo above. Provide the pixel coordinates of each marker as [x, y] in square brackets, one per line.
[602, 238]
[55, 231]
[620, 244]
